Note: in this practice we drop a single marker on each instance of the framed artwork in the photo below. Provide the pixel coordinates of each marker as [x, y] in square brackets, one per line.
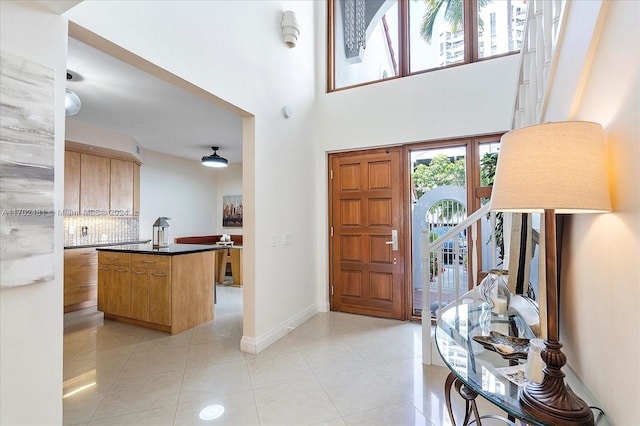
[26, 172]
[232, 211]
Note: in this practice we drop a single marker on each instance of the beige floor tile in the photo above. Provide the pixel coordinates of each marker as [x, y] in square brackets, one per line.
[294, 404]
[282, 346]
[221, 329]
[153, 362]
[215, 380]
[102, 372]
[160, 340]
[359, 390]
[133, 394]
[390, 415]
[202, 355]
[158, 417]
[379, 350]
[239, 410]
[333, 370]
[314, 336]
[330, 360]
[270, 370]
[105, 343]
[409, 377]
[335, 422]
[79, 408]
[74, 343]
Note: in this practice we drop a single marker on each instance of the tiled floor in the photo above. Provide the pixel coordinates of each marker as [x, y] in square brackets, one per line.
[335, 369]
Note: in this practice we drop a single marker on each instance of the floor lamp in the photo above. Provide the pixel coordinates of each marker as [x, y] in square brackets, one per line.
[553, 168]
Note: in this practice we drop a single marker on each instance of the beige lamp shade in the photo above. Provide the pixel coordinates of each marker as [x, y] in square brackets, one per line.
[556, 166]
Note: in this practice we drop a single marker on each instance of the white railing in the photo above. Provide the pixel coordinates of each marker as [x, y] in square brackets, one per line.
[452, 284]
[456, 284]
[541, 34]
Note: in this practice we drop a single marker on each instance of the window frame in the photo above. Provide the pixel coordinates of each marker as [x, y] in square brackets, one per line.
[470, 26]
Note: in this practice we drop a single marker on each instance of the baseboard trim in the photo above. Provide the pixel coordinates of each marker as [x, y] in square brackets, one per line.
[323, 307]
[254, 345]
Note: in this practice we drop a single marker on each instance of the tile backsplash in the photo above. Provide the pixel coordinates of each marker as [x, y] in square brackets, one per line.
[99, 230]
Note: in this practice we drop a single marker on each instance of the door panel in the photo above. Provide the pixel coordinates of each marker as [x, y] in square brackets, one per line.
[366, 195]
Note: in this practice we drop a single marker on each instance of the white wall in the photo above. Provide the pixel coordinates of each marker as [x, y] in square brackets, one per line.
[600, 289]
[178, 188]
[31, 316]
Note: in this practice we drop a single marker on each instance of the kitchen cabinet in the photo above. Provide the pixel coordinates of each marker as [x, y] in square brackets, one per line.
[95, 177]
[100, 182]
[71, 182]
[136, 189]
[151, 288]
[121, 186]
[169, 289]
[114, 283]
[80, 278]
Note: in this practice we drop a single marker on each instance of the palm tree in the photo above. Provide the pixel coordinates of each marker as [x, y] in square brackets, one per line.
[453, 15]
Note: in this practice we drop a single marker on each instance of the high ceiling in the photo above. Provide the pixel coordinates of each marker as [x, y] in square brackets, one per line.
[158, 115]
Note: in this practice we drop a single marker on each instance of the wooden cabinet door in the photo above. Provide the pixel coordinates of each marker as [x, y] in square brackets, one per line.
[71, 182]
[120, 297]
[136, 189]
[105, 281]
[80, 278]
[94, 184]
[114, 290]
[121, 188]
[140, 294]
[160, 296]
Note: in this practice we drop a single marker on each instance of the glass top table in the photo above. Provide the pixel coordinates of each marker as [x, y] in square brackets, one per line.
[476, 370]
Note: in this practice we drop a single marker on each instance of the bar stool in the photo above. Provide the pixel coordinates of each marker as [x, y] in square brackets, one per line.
[230, 258]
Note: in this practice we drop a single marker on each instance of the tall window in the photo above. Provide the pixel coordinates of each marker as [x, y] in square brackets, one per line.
[374, 40]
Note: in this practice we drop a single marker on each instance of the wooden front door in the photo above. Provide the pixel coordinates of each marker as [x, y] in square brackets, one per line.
[366, 210]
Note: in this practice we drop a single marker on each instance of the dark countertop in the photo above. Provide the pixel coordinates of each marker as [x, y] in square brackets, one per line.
[107, 244]
[172, 250]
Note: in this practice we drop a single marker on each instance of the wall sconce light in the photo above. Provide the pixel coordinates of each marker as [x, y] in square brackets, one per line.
[290, 28]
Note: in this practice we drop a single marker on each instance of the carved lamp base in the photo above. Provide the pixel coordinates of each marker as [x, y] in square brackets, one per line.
[551, 401]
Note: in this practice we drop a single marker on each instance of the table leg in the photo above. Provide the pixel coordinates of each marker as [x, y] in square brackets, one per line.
[471, 408]
[467, 394]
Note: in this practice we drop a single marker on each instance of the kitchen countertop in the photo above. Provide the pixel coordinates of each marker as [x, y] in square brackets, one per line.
[106, 244]
[173, 249]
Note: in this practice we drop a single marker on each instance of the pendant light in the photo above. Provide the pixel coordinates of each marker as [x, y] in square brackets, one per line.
[72, 102]
[214, 160]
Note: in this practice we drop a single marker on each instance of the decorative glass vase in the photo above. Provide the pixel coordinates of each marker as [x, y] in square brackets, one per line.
[495, 291]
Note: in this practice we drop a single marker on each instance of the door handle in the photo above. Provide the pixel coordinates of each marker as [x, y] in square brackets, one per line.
[394, 240]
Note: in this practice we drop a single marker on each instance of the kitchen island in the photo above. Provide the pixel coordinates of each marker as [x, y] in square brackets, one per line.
[169, 289]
